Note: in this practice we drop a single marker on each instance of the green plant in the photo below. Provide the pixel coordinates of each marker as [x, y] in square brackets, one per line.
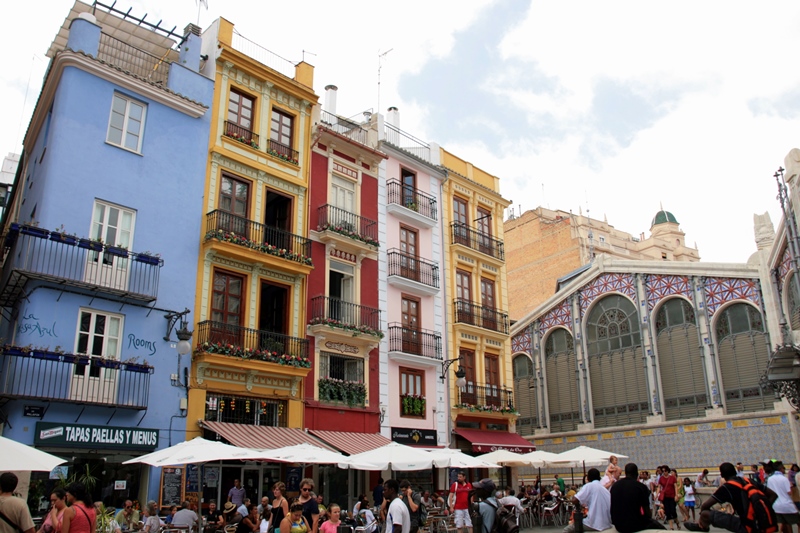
[352, 393]
[104, 518]
[85, 477]
[413, 404]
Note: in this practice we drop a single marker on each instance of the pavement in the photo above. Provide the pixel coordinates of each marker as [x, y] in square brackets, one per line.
[557, 529]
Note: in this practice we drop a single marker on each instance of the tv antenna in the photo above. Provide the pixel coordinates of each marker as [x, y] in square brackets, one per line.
[381, 56]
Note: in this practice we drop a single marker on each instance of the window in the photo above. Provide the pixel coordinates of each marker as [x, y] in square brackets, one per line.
[464, 311]
[126, 125]
[491, 363]
[409, 180]
[114, 226]
[281, 131]
[343, 194]
[409, 266]
[234, 202]
[226, 307]
[412, 392]
[343, 367]
[99, 337]
[240, 113]
[460, 225]
[410, 313]
[243, 410]
[467, 363]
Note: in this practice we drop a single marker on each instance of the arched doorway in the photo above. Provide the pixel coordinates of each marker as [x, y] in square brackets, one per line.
[562, 389]
[525, 394]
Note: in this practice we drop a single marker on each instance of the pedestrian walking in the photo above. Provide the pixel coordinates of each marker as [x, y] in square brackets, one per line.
[459, 502]
[598, 500]
[630, 503]
[785, 510]
[15, 517]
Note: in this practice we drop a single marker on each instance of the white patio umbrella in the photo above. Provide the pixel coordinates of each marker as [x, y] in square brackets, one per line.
[449, 457]
[308, 454]
[197, 450]
[584, 456]
[15, 456]
[540, 458]
[393, 455]
[505, 458]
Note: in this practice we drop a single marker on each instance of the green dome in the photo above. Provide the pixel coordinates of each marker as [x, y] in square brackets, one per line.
[663, 217]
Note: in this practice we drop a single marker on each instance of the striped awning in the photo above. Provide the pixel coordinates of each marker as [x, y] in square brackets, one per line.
[351, 443]
[262, 437]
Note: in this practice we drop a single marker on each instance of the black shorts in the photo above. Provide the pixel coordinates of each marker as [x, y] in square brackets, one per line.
[669, 509]
[727, 521]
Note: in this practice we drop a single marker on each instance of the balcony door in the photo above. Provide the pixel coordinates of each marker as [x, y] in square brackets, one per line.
[234, 201]
[114, 226]
[278, 221]
[484, 225]
[467, 363]
[409, 180]
[461, 227]
[240, 116]
[343, 199]
[489, 317]
[492, 369]
[227, 301]
[98, 337]
[409, 266]
[410, 311]
[273, 318]
[464, 297]
[341, 285]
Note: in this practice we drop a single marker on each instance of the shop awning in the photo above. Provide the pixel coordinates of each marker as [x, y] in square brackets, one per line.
[351, 443]
[489, 441]
[262, 437]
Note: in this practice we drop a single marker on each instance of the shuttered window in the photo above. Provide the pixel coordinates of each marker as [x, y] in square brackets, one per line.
[743, 358]
[525, 395]
[616, 366]
[680, 361]
[562, 388]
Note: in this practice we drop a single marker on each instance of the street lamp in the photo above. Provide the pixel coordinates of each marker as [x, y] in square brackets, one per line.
[184, 345]
[461, 374]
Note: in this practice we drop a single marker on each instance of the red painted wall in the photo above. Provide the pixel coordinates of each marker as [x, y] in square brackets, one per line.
[369, 197]
[318, 187]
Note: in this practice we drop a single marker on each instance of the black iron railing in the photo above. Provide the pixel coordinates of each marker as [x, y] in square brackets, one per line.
[467, 312]
[243, 135]
[466, 236]
[492, 396]
[350, 129]
[73, 378]
[228, 227]
[36, 253]
[281, 151]
[242, 341]
[414, 268]
[348, 224]
[136, 61]
[412, 198]
[349, 316]
[415, 341]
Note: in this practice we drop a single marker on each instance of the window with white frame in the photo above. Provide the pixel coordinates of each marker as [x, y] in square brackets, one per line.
[342, 367]
[113, 224]
[126, 124]
[98, 336]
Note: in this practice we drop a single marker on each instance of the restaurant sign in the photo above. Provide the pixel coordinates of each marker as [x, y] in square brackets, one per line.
[415, 437]
[80, 435]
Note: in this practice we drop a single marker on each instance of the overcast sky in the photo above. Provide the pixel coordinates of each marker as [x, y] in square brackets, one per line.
[612, 107]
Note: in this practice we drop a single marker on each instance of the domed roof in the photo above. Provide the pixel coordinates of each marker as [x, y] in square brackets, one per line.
[663, 217]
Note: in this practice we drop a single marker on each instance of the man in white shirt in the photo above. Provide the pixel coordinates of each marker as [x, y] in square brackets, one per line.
[397, 514]
[512, 500]
[598, 499]
[785, 511]
[185, 518]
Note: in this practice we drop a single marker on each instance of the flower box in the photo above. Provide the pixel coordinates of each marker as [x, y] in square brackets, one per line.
[106, 363]
[34, 231]
[117, 251]
[63, 237]
[148, 259]
[95, 246]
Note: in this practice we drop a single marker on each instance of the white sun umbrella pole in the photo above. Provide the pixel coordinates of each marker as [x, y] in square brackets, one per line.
[15, 456]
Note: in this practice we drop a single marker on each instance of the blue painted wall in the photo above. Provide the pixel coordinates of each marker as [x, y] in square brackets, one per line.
[164, 185]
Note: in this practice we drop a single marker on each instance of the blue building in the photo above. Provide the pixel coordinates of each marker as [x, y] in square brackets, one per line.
[101, 246]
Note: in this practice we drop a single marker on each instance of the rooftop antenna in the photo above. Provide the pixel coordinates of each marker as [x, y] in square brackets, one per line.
[381, 56]
[591, 233]
[309, 53]
[200, 3]
[544, 201]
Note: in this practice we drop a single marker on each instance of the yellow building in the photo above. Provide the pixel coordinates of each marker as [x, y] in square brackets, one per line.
[251, 354]
[483, 412]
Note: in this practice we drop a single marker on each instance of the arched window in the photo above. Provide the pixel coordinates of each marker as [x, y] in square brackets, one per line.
[616, 369]
[525, 395]
[743, 357]
[562, 387]
[680, 361]
[793, 303]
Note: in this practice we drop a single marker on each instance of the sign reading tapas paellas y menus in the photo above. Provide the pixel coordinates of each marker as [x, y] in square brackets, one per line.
[82, 435]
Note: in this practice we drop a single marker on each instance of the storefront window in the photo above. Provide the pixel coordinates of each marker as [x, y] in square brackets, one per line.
[243, 410]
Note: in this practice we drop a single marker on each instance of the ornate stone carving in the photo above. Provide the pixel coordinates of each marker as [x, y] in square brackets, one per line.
[764, 231]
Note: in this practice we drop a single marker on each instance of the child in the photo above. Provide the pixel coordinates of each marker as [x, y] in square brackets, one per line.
[333, 522]
[688, 500]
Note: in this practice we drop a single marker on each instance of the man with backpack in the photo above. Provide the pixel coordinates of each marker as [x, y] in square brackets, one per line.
[785, 510]
[494, 518]
[413, 501]
[752, 508]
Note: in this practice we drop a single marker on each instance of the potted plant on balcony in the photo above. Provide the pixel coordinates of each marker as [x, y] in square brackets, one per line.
[95, 245]
[60, 235]
[413, 404]
[133, 365]
[103, 362]
[34, 230]
[118, 250]
[148, 258]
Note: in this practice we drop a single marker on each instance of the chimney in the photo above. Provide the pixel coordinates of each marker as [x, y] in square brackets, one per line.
[189, 53]
[393, 117]
[84, 34]
[330, 98]
[192, 28]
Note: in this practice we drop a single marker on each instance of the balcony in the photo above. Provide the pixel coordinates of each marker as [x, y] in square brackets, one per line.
[352, 318]
[354, 231]
[411, 205]
[486, 244]
[227, 227]
[252, 344]
[38, 254]
[467, 312]
[238, 133]
[417, 342]
[412, 273]
[73, 378]
[344, 127]
[283, 152]
[138, 62]
[481, 397]
[407, 142]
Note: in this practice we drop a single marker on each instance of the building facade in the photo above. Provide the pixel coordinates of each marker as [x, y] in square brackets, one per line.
[89, 369]
[544, 245]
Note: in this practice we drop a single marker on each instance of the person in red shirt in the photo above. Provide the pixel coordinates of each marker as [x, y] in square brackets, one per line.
[458, 500]
[667, 484]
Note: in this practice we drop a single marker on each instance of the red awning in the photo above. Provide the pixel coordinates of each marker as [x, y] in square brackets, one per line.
[351, 443]
[262, 437]
[489, 441]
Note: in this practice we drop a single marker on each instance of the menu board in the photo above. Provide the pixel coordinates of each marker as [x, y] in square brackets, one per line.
[171, 486]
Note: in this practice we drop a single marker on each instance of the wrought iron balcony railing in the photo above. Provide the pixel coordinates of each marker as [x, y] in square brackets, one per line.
[412, 198]
[348, 128]
[467, 312]
[415, 341]
[486, 397]
[356, 227]
[466, 236]
[228, 227]
[73, 378]
[136, 61]
[281, 151]
[337, 313]
[236, 132]
[36, 253]
[256, 344]
[413, 268]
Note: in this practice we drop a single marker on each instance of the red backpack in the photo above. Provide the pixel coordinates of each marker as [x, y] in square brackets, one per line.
[760, 516]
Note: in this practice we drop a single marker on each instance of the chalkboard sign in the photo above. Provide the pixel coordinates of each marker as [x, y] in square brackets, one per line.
[171, 486]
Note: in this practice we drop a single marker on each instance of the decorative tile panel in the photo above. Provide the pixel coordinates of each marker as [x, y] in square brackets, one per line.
[605, 283]
[660, 286]
[785, 265]
[521, 342]
[722, 290]
[561, 315]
